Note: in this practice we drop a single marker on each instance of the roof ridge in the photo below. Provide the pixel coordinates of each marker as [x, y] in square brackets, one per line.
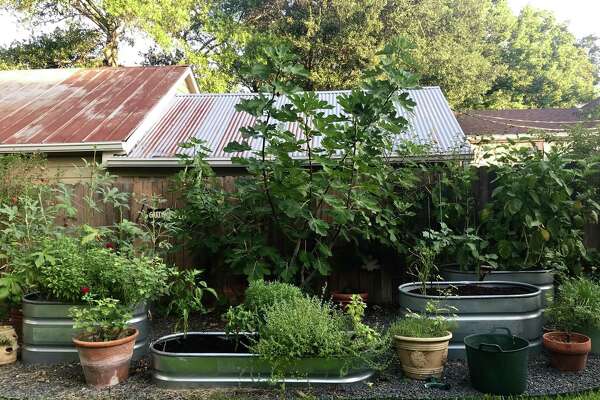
[207, 94]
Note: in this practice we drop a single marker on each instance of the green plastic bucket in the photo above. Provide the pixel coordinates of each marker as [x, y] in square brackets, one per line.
[497, 362]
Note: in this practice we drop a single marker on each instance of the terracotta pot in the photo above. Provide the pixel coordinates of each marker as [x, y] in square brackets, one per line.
[568, 351]
[422, 358]
[345, 298]
[8, 353]
[106, 363]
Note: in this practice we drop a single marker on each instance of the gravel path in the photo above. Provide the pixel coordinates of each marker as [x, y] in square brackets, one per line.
[18, 381]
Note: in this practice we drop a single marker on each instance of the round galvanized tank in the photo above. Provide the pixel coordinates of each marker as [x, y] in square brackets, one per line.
[48, 330]
[543, 278]
[521, 313]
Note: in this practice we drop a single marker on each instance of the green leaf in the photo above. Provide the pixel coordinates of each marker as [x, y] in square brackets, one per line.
[318, 226]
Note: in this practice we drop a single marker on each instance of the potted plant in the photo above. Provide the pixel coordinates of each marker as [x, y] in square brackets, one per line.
[277, 335]
[568, 349]
[105, 343]
[421, 342]
[8, 345]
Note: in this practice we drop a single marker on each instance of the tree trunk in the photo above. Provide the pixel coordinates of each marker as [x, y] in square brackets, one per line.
[111, 49]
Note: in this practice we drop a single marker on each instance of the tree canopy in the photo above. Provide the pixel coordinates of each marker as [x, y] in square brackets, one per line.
[111, 18]
[62, 48]
[478, 51]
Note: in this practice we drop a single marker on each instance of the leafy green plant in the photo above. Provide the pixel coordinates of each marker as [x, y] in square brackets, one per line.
[423, 266]
[576, 306]
[431, 324]
[538, 208]
[187, 292]
[259, 297]
[101, 320]
[287, 214]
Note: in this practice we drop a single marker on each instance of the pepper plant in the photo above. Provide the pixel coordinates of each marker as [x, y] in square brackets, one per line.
[539, 205]
[315, 178]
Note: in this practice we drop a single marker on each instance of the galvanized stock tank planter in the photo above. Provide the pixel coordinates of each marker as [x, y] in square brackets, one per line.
[542, 278]
[48, 332]
[516, 306]
[214, 359]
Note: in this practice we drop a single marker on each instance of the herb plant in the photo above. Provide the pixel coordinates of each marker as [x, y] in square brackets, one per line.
[431, 324]
[101, 320]
[576, 306]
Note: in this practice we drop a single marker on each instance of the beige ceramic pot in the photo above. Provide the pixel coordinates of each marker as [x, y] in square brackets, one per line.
[8, 352]
[422, 358]
[106, 363]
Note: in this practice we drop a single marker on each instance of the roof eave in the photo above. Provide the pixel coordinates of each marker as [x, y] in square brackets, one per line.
[62, 147]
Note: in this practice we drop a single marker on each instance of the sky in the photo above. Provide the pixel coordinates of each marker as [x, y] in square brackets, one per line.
[582, 17]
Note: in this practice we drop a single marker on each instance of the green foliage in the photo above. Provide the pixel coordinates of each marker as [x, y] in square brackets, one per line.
[431, 324]
[101, 320]
[287, 215]
[308, 327]
[187, 292]
[259, 297]
[423, 266]
[538, 207]
[62, 48]
[545, 66]
[576, 306]
[111, 19]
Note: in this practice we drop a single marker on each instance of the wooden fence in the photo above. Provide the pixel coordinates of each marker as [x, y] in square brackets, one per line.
[381, 283]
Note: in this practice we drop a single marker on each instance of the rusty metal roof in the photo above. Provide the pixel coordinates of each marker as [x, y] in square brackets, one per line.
[79, 106]
[213, 119]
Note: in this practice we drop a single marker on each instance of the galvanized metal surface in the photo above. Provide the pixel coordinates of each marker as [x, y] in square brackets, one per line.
[188, 370]
[48, 332]
[213, 118]
[544, 279]
[521, 313]
[80, 105]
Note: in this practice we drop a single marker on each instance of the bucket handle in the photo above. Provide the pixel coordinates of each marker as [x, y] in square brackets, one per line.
[494, 347]
[501, 328]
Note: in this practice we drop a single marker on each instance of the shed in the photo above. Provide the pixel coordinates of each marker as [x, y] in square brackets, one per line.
[71, 114]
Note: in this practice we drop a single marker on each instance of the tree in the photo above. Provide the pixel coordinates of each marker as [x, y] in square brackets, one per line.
[62, 48]
[287, 215]
[591, 45]
[457, 43]
[545, 67]
[111, 18]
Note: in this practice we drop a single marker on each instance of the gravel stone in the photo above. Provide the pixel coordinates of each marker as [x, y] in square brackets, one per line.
[18, 381]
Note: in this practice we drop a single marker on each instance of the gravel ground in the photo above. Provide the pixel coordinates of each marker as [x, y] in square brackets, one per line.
[18, 381]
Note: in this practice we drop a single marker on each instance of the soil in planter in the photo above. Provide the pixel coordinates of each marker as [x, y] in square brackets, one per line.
[475, 290]
[205, 344]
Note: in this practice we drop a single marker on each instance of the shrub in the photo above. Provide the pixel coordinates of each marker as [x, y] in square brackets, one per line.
[576, 306]
[259, 297]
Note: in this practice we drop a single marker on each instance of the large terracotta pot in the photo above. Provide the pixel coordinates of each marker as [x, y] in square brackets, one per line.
[422, 358]
[345, 298]
[8, 352]
[106, 363]
[568, 351]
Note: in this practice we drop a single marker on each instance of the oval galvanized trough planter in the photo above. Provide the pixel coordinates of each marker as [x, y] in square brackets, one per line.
[212, 359]
[543, 278]
[521, 313]
[48, 332]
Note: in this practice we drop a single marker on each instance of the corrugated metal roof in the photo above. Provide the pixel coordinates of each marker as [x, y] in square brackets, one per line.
[213, 119]
[67, 106]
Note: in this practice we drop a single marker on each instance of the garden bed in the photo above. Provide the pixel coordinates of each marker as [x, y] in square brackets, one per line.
[66, 381]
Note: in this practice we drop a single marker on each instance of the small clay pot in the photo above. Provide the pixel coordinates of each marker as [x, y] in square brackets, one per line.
[8, 353]
[422, 358]
[345, 298]
[106, 363]
[568, 351]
